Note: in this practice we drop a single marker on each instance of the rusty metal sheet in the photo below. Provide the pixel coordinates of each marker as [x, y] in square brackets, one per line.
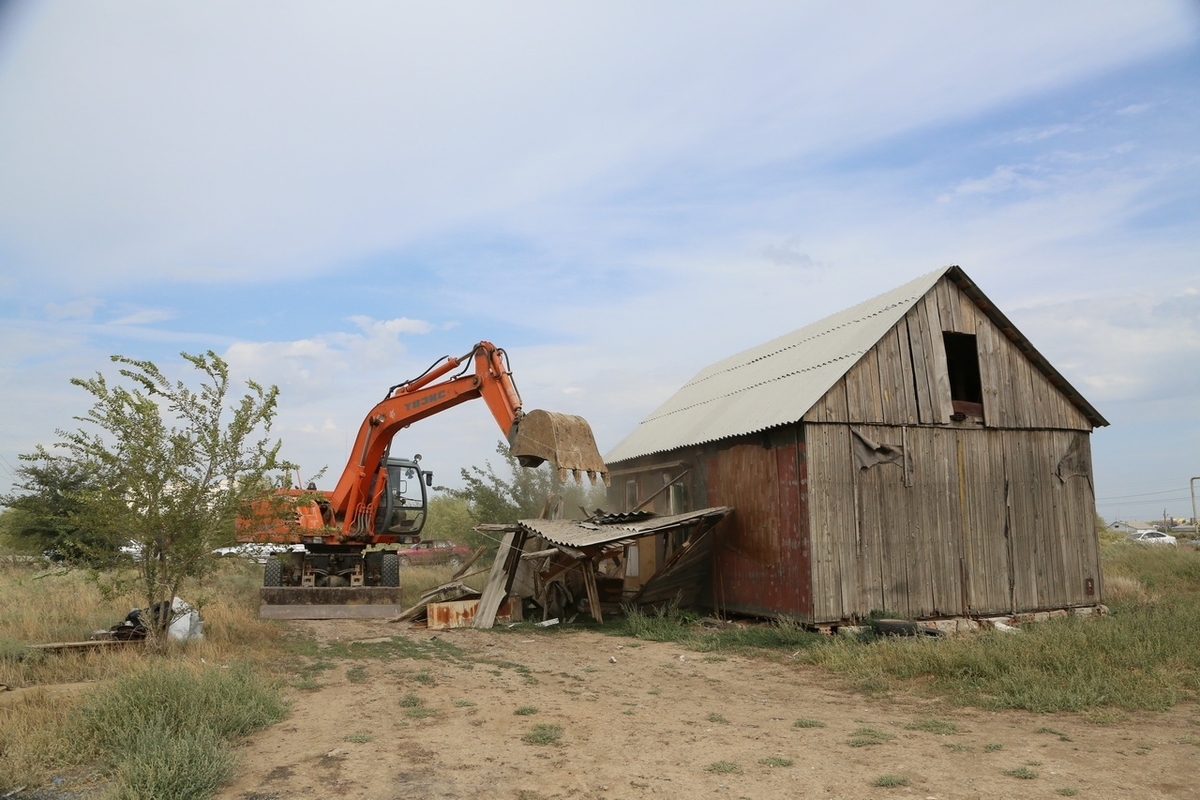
[460, 613]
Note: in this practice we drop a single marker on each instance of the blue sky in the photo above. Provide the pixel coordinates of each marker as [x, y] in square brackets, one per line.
[617, 194]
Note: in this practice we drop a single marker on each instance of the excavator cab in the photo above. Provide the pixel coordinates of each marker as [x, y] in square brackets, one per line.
[401, 511]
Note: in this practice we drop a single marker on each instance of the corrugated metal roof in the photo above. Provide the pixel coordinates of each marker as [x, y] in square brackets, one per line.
[772, 384]
[581, 533]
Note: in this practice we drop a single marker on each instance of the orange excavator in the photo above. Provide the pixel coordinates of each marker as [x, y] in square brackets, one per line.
[346, 539]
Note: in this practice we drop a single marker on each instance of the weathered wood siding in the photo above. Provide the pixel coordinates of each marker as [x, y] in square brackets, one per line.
[903, 380]
[979, 523]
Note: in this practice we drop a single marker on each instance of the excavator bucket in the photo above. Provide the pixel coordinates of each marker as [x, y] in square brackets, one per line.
[565, 440]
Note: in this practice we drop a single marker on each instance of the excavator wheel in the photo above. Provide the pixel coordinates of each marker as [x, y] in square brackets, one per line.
[389, 570]
[272, 572]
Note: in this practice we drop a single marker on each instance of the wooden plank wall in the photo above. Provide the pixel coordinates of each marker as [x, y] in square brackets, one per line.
[903, 380]
[983, 526]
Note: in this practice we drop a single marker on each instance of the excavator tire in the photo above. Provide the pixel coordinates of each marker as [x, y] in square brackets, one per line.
[389, 570]
[272, 572]
[565, 440]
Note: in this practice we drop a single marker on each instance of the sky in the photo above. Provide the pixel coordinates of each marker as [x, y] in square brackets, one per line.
[332, 197]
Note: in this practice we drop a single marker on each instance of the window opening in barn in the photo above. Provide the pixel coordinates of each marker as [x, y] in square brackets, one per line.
[631, 495]
[962, 362]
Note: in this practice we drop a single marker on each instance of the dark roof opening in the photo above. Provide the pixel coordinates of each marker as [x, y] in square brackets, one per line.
[962, 362]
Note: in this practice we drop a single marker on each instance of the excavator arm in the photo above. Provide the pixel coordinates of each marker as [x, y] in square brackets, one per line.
[564, 440]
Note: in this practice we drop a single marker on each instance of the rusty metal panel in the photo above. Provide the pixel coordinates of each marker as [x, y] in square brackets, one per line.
[460, 613]
[758, 564]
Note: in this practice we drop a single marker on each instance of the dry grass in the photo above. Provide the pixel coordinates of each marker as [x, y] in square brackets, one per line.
[415, 580]
[38, 605]
[1125, 589]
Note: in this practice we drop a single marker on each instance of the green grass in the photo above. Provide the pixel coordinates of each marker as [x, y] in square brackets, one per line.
[1144, 656]
[932, 726]
[1024, 773]
[1067, 791]
[357, 674]
[776, 761]
[359, 737]
[525, 711]
[464, 703]
[889, 781]
[1062, 737]
[543, 734]
[165, 732]
[672, 624]
[805, 722]
[723, 768]
[993, 747]
[717, 718]
[866, 737]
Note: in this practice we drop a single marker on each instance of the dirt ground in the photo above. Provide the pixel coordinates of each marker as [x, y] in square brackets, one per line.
[650, 720]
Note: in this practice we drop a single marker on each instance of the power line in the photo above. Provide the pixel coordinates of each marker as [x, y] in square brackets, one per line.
[1143, 494]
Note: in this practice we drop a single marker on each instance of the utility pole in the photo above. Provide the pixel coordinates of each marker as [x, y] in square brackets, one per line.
[1195, 524]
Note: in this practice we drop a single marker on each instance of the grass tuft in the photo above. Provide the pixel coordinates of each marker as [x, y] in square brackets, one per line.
[932, 726]
[776, 761]
[717, 718]
[543, 734]
[866, 737]
[165, 731]
[723, 768]
[1024, 773]
[888, 781]
[805, 722]
[525, 711]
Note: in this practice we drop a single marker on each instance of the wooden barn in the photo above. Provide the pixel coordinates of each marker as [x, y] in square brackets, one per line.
[913, 455]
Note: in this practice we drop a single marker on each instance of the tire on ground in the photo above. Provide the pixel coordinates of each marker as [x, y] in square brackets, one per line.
[272, 572]
[455, 562]
[389, 570]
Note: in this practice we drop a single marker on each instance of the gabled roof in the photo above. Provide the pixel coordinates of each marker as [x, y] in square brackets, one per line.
[776, 383]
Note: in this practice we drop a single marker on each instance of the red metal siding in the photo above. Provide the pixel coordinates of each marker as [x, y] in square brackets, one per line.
[760, 563]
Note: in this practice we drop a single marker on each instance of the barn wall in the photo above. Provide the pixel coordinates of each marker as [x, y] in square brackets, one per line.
[978, 522]
[761, 564]
[903, 379]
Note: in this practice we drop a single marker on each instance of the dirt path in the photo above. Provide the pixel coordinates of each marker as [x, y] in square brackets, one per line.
[649, 720]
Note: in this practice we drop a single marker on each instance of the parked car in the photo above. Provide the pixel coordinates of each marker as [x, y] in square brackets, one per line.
[434, 551]
[258, 553]
[1150, 537]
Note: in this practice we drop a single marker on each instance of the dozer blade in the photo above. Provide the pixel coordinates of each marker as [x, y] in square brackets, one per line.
[565, 440]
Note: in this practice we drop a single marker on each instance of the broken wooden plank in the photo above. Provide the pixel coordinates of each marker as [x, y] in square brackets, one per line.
[463, 569]
[504, 570]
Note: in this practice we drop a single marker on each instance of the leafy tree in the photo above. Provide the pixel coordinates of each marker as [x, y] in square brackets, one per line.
[44, 515]
[173, 465]
[450, 517]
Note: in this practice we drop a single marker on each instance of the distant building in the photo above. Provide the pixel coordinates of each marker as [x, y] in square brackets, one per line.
[1131, 526]
[914, 454]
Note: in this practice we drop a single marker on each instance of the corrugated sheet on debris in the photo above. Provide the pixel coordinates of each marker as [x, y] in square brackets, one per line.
[583, 533]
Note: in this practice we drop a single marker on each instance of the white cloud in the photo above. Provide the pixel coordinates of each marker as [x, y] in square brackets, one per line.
[75, 310]
[192, 141]
[147, 316]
